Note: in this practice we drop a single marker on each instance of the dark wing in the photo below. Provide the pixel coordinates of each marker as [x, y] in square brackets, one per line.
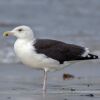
[59, 50]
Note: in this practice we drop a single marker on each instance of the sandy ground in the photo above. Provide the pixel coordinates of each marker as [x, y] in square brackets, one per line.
[18, 82]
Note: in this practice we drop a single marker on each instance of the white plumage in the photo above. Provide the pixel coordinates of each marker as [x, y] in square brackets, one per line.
[26, 52]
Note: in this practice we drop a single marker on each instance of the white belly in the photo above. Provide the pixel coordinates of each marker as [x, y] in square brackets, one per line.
[26, 53]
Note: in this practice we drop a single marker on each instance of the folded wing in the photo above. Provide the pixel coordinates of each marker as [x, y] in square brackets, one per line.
[61, 51]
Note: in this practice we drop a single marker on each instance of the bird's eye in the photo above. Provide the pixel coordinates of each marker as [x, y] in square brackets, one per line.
[20, 30]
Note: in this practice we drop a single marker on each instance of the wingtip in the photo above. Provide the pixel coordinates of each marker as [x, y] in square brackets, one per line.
[92, 56]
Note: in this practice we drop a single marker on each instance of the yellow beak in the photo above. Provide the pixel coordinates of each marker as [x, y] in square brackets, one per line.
[7, 33]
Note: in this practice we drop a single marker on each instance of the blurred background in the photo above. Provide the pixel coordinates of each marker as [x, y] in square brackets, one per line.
[71, 21]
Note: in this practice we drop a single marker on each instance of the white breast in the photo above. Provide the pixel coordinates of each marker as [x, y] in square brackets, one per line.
[26, 53]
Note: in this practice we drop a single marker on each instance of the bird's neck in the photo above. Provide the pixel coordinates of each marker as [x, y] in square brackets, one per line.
[24, 41]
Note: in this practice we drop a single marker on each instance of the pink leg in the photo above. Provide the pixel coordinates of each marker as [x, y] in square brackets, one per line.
[45, 80]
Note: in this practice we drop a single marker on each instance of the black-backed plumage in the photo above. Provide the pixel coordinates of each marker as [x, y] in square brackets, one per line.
[61, 51]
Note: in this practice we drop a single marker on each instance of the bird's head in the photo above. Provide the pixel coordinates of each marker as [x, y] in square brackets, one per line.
[22, 32]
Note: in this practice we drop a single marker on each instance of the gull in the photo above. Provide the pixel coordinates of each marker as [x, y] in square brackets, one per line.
[46, 54]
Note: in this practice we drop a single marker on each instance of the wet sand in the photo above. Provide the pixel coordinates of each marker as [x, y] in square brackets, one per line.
[18, 82]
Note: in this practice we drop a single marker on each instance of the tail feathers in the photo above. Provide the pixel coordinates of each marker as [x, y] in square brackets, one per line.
[92, 56]
[89, 57]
